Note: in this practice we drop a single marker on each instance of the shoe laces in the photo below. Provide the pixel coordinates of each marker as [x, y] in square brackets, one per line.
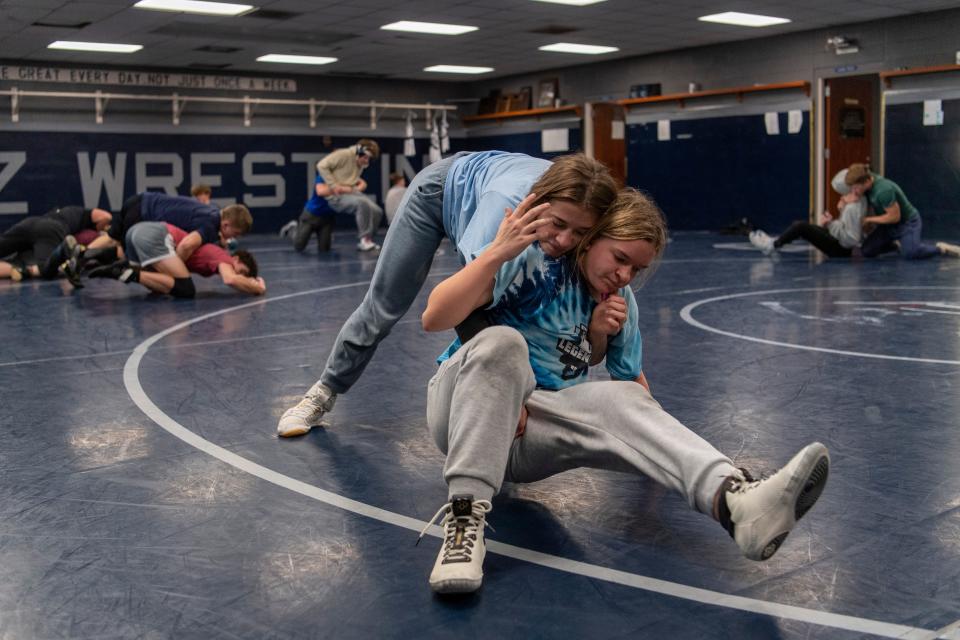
[746, 482]
[311, 402]
[460, 532]
[306, 407]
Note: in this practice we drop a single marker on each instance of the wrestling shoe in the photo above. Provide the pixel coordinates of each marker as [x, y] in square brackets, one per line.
[459, 565]
[287, 230]
[947, 249]
[72, 273]
[299, 419]
[366, 244]
[762, 241]
[759, 514]
[67, 249]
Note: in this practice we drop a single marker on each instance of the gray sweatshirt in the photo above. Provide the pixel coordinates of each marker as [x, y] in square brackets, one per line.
[847, 228]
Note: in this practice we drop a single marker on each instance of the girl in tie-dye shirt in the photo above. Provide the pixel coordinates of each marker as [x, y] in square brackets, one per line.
[513, 403]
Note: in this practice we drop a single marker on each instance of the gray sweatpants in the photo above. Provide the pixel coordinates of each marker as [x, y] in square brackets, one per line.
[367, 212]
[402, 267]
[473, 406]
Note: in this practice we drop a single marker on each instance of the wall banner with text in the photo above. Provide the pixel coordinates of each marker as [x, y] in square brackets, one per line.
[273, 175]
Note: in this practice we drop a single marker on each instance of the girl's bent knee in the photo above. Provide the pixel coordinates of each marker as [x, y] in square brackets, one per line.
[502, 339]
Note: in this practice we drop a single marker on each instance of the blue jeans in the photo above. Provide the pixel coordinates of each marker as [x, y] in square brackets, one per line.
[881, 240]
[412, 240]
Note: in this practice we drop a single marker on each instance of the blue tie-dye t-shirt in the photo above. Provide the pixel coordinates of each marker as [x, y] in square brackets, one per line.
[545, 300]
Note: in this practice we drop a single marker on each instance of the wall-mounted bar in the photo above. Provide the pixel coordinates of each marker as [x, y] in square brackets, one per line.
[314, 107]
[739, 92]
[888, 76]
[525, 113]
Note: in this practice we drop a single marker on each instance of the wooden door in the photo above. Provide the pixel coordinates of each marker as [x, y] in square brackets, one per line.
[849, 113]
[609, 138]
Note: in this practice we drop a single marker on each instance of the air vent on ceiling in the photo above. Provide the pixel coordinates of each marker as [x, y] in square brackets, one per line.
[204, 65]
[271, 14]
[213, 48]
[554, 30]
[61, 25]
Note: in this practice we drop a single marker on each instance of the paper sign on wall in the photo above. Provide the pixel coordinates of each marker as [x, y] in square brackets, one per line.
[663, 130]
[932, 113]
[772, 122]
[552, 140]
[616, 130]
[794, 121]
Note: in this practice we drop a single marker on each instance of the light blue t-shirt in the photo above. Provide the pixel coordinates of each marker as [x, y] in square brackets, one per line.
[478, 188]
[545, 300]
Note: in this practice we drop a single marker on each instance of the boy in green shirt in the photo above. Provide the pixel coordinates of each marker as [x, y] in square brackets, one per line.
[895, 222]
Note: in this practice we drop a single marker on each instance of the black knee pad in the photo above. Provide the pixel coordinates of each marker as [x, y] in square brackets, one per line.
[183, 288]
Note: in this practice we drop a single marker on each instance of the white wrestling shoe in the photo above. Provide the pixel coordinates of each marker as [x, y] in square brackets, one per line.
[760, 514]
[366, 244]
[948, 249]
[459, 565]
[762, 241]
[299, 419]
[287, 230]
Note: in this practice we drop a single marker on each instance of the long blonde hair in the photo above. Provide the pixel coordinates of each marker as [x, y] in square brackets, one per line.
[632, 216]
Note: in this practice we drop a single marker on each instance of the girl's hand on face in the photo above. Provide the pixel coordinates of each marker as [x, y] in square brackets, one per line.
[609, 316]
[519, 228]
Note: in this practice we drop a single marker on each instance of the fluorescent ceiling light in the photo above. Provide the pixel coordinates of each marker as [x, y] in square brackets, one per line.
[289, 59]
[743, 19]
[568, 47]
[429, 27]
[576, 3]
[453, 68]
[196, 6]
[104, 47]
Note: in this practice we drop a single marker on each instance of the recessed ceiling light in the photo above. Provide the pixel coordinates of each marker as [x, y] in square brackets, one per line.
[569, 47]
[429, 27]
[743, 19]
[290, 59]
[103, 47]
[196, 6]
[576, 3]
[453, 68]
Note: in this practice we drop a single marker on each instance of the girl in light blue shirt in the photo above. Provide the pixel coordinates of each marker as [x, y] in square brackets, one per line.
[462, 198]
[513, 404]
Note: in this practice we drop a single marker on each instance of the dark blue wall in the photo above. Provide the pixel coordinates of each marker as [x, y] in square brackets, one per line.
[51, 175]
[727, 169]
[925, 162]
[700, 182]
[528, 143]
